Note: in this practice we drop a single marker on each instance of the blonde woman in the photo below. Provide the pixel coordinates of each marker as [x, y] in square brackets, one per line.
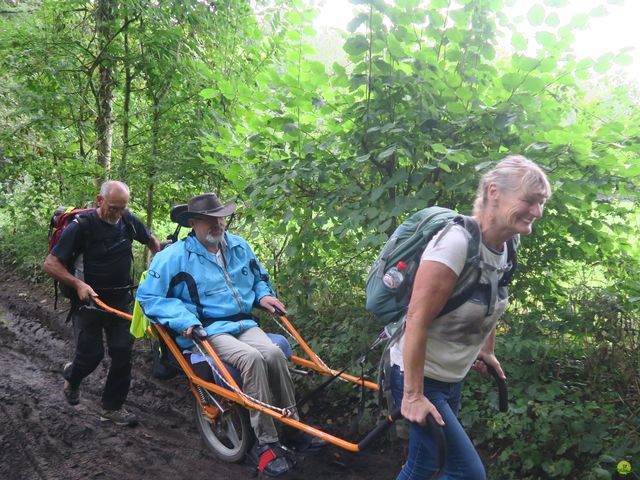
[435, 352]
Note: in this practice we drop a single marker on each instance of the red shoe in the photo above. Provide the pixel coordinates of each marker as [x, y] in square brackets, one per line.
[269, 459]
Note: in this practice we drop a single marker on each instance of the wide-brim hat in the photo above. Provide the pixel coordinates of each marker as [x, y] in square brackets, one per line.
[205, 205]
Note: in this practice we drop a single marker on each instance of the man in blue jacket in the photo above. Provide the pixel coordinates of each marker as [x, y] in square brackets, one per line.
[212, 278]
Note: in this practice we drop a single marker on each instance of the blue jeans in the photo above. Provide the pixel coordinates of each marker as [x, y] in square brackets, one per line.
[462, 462]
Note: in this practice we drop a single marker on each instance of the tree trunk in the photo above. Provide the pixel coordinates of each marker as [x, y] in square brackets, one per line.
[104, 117]
[151, 166]
[126, 107]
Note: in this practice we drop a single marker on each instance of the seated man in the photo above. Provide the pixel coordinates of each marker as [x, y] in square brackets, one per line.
[212, 278]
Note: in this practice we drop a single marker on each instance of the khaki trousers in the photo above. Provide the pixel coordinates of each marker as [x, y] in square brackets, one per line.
[265, 375]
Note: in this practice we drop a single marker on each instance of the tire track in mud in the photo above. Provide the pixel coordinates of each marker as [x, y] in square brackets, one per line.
[14, 440]
[44, 438]
[25, 407]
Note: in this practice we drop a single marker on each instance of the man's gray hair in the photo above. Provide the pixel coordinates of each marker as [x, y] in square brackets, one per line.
[107, 187]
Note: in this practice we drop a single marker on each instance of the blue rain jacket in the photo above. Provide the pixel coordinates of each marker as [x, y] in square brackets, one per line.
[185, 285]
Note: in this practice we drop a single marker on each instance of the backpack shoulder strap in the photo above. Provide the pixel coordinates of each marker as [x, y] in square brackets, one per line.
[473, 246]
[471, 272]
[127, 218]
[512, 258]
[86, 226]
[506, 272]
[84, 221]
[475, 236]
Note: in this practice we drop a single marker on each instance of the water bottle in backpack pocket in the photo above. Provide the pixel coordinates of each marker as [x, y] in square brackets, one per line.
[394, 277]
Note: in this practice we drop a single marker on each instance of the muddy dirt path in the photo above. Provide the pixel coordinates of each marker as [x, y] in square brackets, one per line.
[44, 438]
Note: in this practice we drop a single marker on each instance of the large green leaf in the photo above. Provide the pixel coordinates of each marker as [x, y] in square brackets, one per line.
[519, 41]
[536, 15]
[546, 39]
[356, 45]
[623, 59]
[510, 81]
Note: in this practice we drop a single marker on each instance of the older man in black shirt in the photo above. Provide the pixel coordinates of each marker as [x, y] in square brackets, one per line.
[93, 257]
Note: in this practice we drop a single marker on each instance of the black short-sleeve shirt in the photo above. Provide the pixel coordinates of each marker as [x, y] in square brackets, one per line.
[106, 252]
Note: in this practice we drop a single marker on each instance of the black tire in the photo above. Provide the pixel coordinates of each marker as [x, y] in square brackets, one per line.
[229, 436]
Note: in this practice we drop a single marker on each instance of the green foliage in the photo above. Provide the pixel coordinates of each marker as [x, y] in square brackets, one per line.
[325, 161]
[162, 59]
[411, 122]
[421, 109]
[562, 423]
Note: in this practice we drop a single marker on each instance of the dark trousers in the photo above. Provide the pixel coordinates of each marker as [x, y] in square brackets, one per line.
[88, 325]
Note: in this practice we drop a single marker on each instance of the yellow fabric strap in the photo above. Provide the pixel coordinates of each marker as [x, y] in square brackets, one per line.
[140, 323]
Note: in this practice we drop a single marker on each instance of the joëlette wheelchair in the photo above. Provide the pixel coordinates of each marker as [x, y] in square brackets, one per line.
[220, 406]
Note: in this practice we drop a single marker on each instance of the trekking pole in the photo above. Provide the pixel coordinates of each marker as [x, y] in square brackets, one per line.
[503, 395]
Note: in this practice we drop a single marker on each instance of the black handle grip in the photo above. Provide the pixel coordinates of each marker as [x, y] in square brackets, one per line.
[503, 394]
[200, 333]
[440, 443]
[382, 426]
[276, 311]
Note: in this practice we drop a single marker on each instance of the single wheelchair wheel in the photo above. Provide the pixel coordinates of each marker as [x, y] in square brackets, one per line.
[229, 434]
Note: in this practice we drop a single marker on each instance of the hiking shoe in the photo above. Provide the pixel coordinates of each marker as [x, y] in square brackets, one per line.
[269, 459]
[71, 393]
[119, 417]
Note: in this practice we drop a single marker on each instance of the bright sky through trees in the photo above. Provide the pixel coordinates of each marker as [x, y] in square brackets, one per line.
[607, 33]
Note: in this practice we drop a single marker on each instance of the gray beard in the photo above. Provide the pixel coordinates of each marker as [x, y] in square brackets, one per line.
[213, 241]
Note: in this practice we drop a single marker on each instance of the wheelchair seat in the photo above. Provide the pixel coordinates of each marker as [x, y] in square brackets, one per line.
[202, 368]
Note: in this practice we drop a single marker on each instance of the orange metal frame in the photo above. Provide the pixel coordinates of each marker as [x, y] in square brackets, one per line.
[313, 363]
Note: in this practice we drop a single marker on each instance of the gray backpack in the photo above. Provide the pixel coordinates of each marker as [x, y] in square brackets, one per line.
[388, 301]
